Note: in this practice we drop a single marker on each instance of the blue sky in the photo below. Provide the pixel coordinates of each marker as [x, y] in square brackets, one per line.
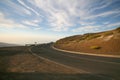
[27, 21]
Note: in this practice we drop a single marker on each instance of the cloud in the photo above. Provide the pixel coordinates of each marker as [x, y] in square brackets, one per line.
[61, 18]
[87, 29]
[38, 28]
[59, 21]
[85, 23]
[116, 24]
[16, 8]
[102, 4]
[92, 28]
[31, 22]
[104, 14]
[62, 15]
[8, 23]
[29, 8]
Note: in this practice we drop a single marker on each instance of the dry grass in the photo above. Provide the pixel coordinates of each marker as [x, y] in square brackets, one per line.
[107, 33]
[95, 47]
[19, 59]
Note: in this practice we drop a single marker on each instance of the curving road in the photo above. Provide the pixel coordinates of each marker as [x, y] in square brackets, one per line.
[106, 67]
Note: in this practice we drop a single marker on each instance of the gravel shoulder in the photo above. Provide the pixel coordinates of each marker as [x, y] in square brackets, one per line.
[24, 61]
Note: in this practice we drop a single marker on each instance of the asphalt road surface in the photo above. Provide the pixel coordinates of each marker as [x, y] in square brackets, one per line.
[105, 68]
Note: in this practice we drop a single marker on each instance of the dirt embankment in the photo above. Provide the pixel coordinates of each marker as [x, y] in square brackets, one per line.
[107, 42]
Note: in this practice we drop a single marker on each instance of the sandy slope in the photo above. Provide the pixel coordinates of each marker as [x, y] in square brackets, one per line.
[108, 42]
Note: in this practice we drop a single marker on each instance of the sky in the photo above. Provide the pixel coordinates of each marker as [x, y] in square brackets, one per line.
[42, 21]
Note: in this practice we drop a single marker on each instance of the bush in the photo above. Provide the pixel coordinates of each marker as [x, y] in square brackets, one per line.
[93, 36]
[95, 47]
[108, 33]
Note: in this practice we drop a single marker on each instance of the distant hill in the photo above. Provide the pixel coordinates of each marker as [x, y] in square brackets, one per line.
[107, 42]
[2, 44]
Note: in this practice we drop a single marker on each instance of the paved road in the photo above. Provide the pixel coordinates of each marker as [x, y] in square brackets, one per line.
[105, 67]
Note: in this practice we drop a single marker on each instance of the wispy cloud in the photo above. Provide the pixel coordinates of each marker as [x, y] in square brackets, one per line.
[113, 24]
[85, 23]
[16, 8]
[62, 15]
[87, 29]
[38, 28]
[58, 19]
[31, 22]
[8, 23]
[102, 4]
[104, 14]
[27, 7]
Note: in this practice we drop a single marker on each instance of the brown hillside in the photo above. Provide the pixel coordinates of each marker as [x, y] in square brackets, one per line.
[107, 42]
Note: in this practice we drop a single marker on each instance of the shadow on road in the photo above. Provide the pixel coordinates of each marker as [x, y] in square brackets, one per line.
[50, 76]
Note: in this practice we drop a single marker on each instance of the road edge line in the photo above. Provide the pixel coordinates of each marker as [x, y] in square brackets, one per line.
[77, 70]
[83, 53]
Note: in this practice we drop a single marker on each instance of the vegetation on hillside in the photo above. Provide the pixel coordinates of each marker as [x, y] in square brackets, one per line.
[106, 42]
[95, 47]
[87, 36]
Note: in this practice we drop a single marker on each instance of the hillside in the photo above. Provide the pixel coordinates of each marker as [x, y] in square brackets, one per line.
[107, 42]
[2, 44]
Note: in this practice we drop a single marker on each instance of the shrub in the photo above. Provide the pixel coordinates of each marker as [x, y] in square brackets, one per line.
[93, 36]
[108, 33]
[95, 47]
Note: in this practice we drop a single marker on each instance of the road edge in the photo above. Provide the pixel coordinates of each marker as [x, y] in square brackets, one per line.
[83, 53]
[75, 69]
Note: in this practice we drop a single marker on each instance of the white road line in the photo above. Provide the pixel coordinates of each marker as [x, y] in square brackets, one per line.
[93, 60]
[85, 58]
[77, 70]
[102, 55]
